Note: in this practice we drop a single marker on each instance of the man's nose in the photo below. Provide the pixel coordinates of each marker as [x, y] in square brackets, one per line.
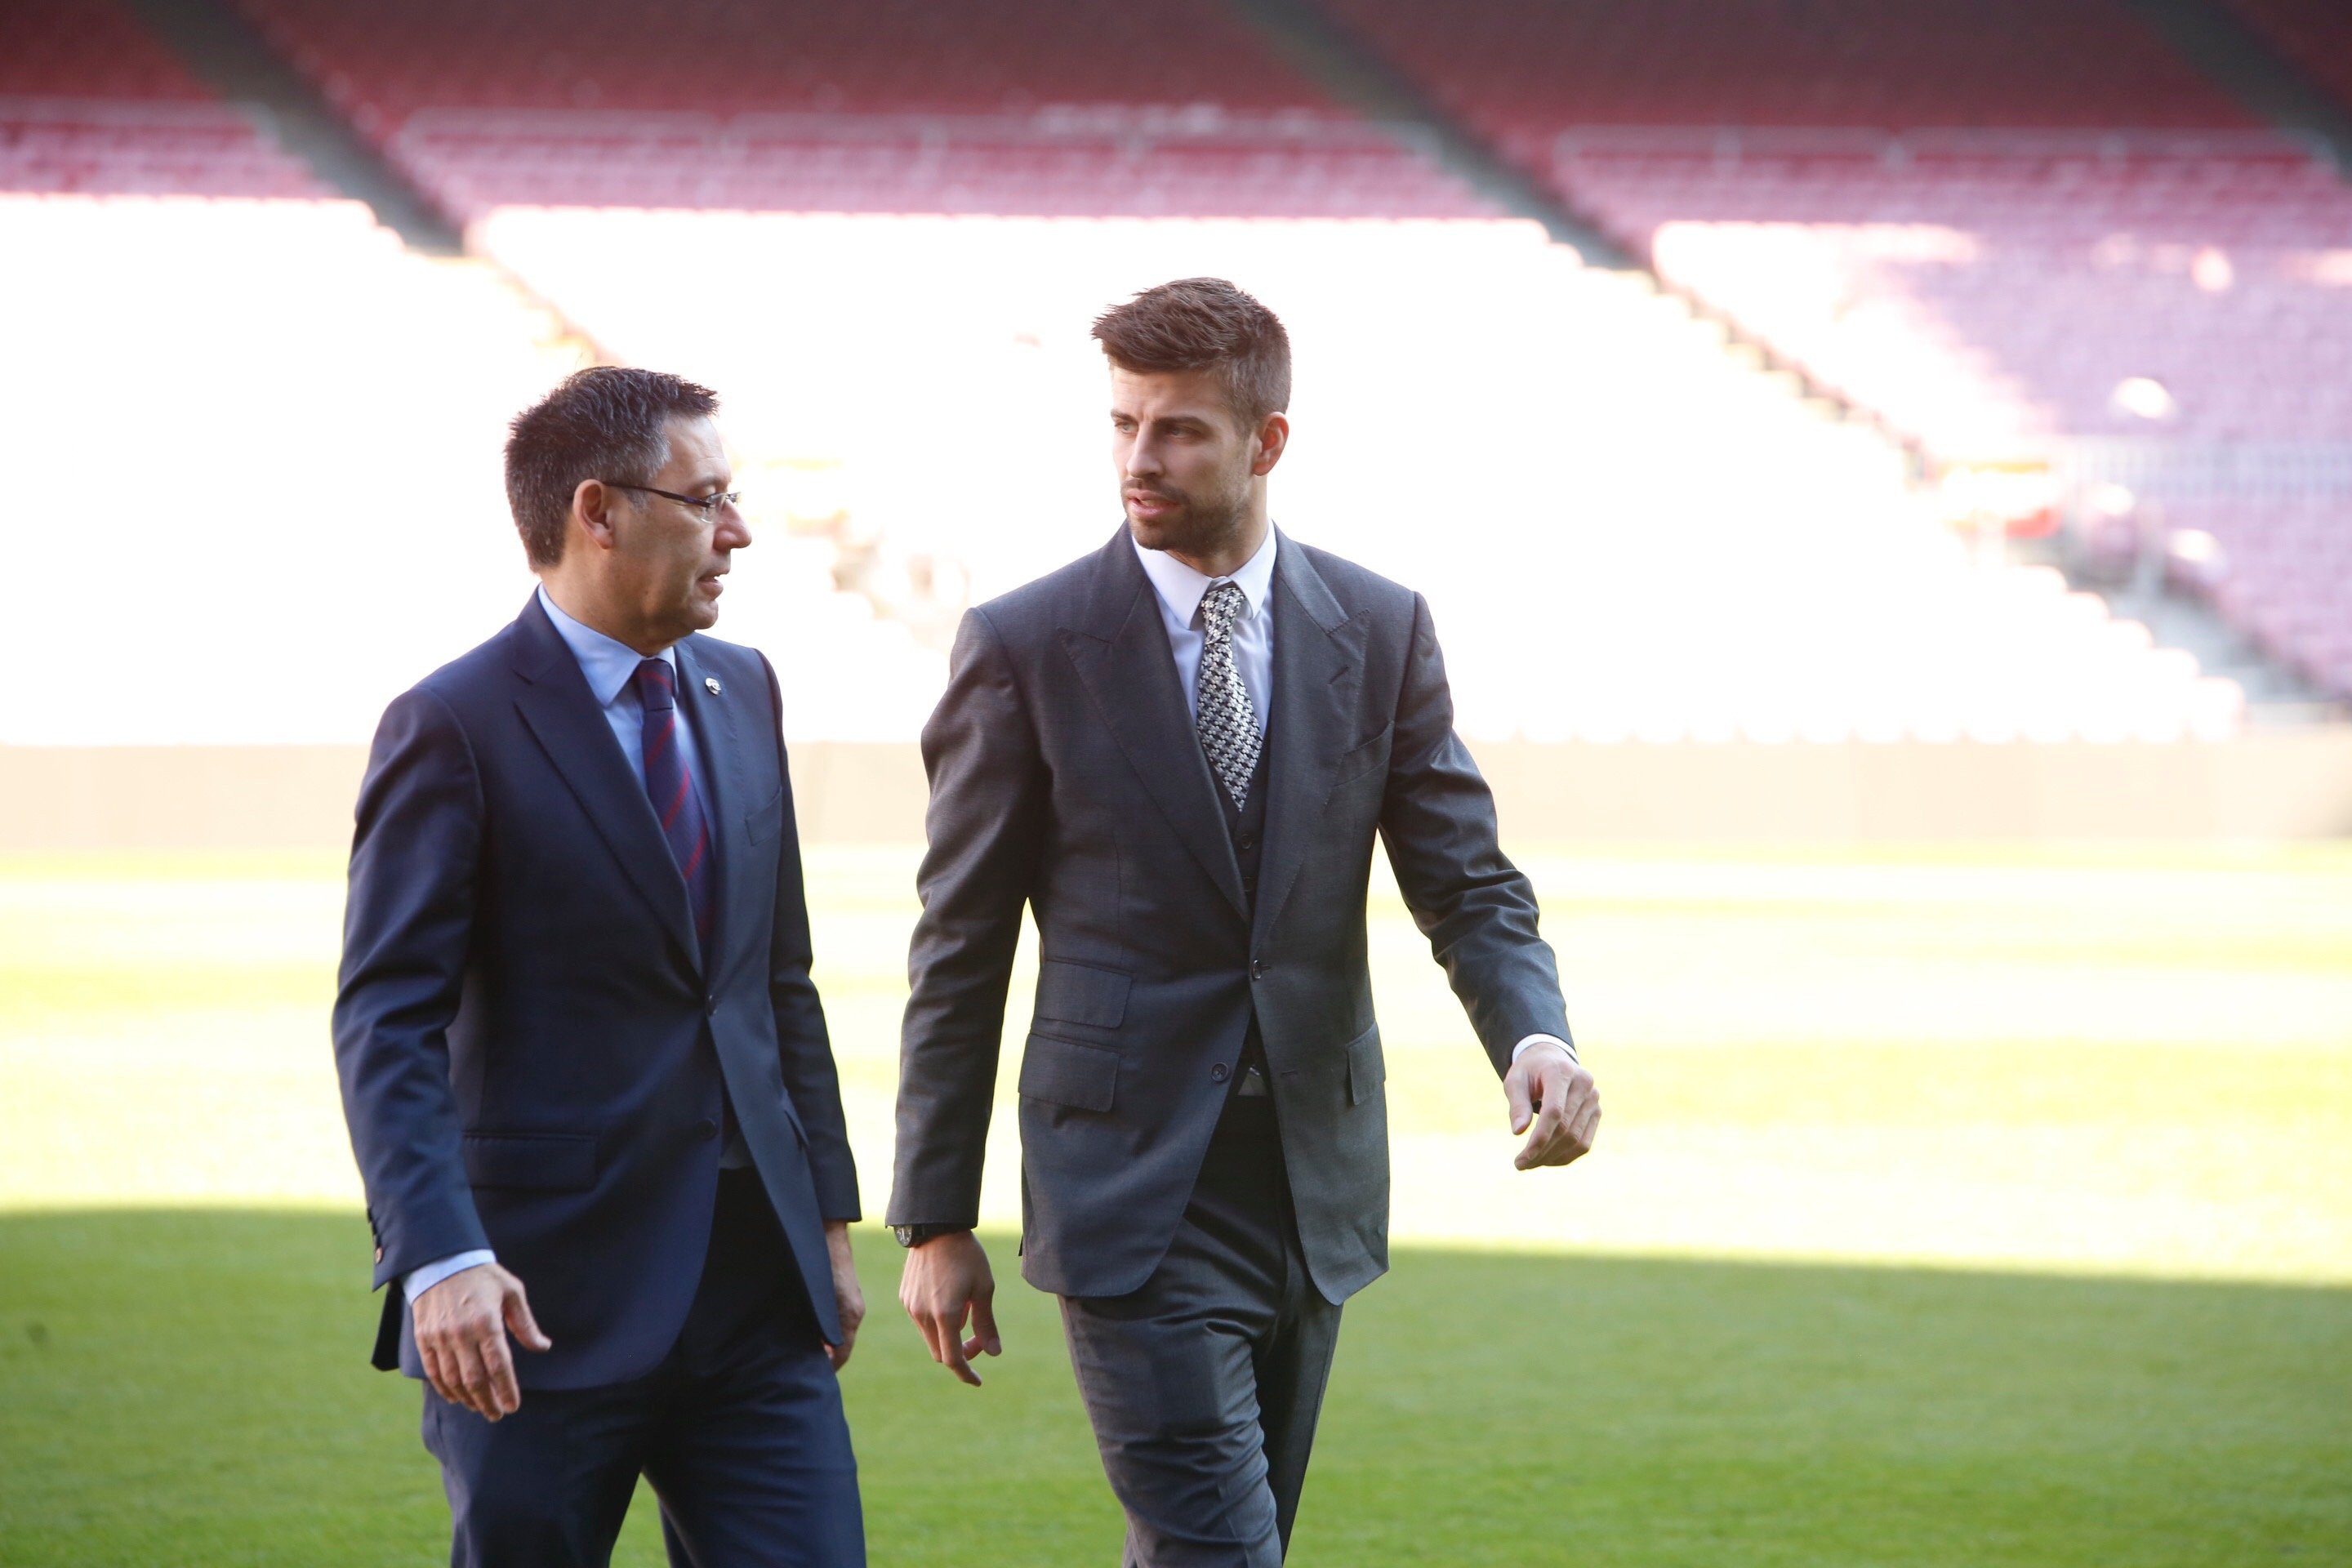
[732, 532]
[1142, 460]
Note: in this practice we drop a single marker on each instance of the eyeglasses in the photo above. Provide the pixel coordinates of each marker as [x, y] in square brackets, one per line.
[705, 505]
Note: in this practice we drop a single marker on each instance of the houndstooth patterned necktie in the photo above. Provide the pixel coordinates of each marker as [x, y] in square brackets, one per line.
[1221, 707]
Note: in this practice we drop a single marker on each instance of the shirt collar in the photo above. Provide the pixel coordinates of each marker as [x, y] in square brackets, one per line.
[608, 663]
[1180, 587]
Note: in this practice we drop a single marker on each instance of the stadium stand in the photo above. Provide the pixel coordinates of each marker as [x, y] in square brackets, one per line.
[89, 102]
[266, 433]
[962, 106]
[2316, 35]
[1520, 72]
[899, 218]
[2018, 232]
[1988, 299]
[1643, 536]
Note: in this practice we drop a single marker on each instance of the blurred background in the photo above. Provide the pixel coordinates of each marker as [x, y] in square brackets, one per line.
[1882, 470]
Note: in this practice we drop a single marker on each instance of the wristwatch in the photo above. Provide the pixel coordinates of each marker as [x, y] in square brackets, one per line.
[916, 1235]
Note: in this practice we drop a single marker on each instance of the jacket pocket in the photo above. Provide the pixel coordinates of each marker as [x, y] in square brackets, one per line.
[1082, 993]
[1371, 756]
[548, 1161]
[1064, 1072]
[1366, 1069]
[762, 824]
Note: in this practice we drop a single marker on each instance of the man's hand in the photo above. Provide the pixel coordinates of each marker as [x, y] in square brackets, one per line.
[1548, 1089]
[848, 1299]
[947, 1280]
[461, 1333]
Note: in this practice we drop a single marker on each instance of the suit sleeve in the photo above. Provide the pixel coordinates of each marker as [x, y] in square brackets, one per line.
[1477, 910]
[806, 1047]
[985, 826]
[406, 929]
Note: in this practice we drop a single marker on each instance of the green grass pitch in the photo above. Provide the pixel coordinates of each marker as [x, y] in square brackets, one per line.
[1985, 1208]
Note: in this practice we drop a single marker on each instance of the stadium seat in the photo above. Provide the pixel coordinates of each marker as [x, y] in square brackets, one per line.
[89, 102]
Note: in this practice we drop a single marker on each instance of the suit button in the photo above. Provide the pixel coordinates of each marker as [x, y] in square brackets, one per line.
[705, 1131]
[1219, 1073]
[710, 1008]
[1246, 844]
[1258, 969]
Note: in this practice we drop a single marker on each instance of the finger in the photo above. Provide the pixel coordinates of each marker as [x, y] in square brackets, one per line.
[955, 1360]
[438, 1371]
[1540, 1137]
[519, 1319]
[926, 1324]
[1575, 1137]
[1515, 1093]
[983, 1324]
[498, 1367]
[472, 1381]
[838, 1356]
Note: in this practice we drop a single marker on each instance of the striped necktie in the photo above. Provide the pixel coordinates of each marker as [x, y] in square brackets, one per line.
[671, 791]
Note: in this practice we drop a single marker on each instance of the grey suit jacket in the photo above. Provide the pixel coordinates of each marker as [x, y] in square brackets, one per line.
[1067, 776]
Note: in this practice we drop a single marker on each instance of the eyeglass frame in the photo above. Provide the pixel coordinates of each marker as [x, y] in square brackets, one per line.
[706, 505]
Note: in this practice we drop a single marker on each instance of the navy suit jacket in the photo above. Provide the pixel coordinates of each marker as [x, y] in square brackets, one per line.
[531, 1040]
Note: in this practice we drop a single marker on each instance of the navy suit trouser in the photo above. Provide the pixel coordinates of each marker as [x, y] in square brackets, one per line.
[739, 1430]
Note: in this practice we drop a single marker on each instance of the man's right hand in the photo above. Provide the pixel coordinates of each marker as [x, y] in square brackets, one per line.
[461, 1334]
[946, 1281]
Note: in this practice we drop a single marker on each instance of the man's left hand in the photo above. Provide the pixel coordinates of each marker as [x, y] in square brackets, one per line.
[847, 1299]
[1546, 1088]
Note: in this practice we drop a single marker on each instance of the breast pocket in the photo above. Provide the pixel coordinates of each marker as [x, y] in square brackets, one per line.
[765, 822]
[1366, 759]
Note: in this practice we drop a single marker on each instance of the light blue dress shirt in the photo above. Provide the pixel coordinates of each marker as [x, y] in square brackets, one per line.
[611, 667]
[1180, 590]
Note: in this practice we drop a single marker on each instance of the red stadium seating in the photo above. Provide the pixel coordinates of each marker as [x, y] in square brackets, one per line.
[89, 102]
[2316, 35]
[2009, 227]
[1519, 70]
[2056, 276]
[88, 48]
[1047, 107]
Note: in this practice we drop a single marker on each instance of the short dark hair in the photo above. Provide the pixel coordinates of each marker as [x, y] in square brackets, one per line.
[1200, 323]
[607, 422]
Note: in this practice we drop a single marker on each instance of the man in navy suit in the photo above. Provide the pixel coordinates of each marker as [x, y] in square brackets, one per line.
[587, 1076]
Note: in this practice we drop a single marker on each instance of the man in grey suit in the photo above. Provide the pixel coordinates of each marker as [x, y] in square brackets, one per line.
[1176, 752]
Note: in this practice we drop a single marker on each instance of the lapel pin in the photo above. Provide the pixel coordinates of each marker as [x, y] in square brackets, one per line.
[711, 684]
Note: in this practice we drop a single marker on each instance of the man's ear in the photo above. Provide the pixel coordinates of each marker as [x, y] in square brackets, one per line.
[1273, 438]
[592, 505]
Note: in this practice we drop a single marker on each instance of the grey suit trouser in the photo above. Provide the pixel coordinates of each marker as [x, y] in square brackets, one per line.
[1205, 1385]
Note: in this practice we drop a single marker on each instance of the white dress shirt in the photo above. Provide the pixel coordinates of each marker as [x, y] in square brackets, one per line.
[1179, 589]
[611, 668]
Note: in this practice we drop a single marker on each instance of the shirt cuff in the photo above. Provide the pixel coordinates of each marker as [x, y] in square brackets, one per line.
[419, 1280]
[1522, 1048]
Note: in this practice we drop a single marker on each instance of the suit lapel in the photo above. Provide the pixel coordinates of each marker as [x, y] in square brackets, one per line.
[712, 715]
[1318, 668]
[1121, 652]
[562, 713]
